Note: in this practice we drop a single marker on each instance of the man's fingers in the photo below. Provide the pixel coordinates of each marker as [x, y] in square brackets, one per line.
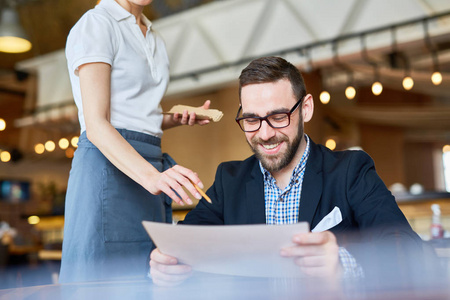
[169, 269]
[313, 238]
[310, 261]
[310, 250]
[157, 256]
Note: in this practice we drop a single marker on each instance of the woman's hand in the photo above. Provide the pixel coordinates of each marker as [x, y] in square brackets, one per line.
[185, 118]
[172, 181]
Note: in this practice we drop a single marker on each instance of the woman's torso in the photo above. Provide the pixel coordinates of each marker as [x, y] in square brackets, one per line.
[139, 65]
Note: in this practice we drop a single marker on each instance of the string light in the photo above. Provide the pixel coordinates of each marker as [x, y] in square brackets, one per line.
[446, 149]
[325, 97]
[5, 156]
[69, 152]
[408, 83]
[330, 144]
[39, 148]
[33, 220]
[63, 143]
[50, 146]
[2, 124]
[74, 141]
[350, 92]
[377, 88]
[436, 78]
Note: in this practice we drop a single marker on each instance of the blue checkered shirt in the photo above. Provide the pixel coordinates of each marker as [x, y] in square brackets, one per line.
[282, 206]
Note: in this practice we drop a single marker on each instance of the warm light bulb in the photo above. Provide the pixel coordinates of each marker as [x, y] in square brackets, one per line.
[324, 97]
[50, 146]
[408, 83]
[63, 143]
[446, 148]
[74, 141]
[330, 144]
[39, 148]
[12, 44]
[436, 78]
[70, 152]
[377, 88]
[350, 92]
[2, 124]
[33, 220]
[5, 156]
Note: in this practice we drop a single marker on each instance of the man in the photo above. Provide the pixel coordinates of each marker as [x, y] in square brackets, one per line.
[291, 179]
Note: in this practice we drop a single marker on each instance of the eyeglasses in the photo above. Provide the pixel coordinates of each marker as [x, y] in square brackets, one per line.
[275, 120]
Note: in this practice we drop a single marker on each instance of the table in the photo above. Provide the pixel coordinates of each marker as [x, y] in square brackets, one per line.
[210, 286]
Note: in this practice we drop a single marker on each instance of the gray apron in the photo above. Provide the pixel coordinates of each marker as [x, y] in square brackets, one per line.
[103, 235]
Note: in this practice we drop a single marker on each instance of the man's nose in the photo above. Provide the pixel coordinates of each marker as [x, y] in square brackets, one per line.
[266, 132]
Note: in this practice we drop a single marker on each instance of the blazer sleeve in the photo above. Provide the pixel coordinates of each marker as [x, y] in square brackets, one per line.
[373, 205]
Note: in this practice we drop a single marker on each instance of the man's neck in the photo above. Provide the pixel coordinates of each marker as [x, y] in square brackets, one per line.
[283, 176]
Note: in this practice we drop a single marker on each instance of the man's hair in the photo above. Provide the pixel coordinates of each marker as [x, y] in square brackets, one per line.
[272, 69]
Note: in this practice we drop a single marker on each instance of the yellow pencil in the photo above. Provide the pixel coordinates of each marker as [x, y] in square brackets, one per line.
[201, 192]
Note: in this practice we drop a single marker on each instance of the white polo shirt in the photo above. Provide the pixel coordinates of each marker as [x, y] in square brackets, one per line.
[139, 65]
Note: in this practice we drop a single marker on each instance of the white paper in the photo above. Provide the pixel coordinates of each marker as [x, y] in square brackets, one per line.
[244, 250]
[329, 221]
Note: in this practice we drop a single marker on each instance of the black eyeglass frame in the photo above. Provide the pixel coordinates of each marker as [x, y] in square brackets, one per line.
[266, 118]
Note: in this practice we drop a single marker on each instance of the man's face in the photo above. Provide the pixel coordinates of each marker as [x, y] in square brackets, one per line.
[275, 148]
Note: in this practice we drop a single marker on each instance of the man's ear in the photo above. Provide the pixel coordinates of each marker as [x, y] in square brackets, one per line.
[307, 108]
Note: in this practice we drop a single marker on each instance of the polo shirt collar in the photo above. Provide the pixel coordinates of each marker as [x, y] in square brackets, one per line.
[119, 13]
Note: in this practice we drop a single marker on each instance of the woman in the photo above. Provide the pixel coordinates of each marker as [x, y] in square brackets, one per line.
[119, 72]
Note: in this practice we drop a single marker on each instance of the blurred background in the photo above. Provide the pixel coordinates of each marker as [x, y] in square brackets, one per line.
[379, 72]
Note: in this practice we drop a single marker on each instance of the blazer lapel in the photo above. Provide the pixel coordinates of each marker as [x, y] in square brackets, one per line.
[255, 196]
[312, 185]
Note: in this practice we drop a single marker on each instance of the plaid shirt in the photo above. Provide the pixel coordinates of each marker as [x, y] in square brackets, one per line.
[282, 207]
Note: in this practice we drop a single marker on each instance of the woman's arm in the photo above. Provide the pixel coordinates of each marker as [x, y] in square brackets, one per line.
[95, 84]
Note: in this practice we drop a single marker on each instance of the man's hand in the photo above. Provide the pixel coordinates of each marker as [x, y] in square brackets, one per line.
[165, 270]
[316, 253]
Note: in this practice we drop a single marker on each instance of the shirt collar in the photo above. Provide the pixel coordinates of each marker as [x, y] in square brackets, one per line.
[301, 164]
[119, 13]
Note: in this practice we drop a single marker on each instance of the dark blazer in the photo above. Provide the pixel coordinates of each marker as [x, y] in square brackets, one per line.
[373, 228]
[346, 179]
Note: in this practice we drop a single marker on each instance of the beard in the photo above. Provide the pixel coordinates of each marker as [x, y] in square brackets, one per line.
[274, 163]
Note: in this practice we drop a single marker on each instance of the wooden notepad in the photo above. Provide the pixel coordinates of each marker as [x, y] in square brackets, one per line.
[210, 114]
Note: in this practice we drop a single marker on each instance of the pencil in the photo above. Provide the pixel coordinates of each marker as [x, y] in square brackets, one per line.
[201, 192]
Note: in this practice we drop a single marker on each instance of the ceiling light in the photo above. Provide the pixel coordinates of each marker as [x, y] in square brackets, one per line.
[50, 146]
[446, 148]
[39, 148]
[324, 97]
[5, 156]
[74, 141]
[69, 152]
[63, 143]
[12, 36]
[2, 124]
[408, 83]
[436, 78]
[377, 88]
[350, 92]
[330, 144]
